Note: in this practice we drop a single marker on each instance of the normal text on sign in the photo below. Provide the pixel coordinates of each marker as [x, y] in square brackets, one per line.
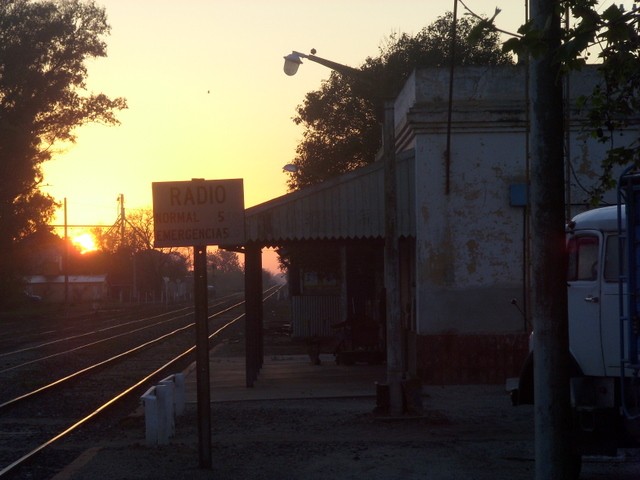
[199, 212]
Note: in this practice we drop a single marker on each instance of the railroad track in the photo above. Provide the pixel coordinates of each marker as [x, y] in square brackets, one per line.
[62, 385]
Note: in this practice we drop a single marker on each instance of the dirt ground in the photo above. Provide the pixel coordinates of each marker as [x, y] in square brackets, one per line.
[466, 432]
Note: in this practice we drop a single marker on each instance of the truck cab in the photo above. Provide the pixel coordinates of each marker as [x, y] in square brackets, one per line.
[594, 291]
[604, 330]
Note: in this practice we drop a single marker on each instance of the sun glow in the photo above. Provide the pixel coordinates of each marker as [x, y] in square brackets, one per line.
[84, 242]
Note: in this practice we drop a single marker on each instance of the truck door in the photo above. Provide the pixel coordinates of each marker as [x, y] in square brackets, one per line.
[584, 300]
[610, 305]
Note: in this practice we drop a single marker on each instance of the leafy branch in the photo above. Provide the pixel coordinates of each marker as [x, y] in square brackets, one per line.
[614, 105]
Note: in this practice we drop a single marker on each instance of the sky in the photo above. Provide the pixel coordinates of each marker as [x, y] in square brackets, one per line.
[207, 95]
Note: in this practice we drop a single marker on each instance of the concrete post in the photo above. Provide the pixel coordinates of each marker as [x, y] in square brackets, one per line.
[150, 404]
[164, 400]
[395, 345]
[548, 253]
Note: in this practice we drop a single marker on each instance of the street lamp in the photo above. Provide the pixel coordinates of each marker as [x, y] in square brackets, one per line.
[395, 350]
[293, 61]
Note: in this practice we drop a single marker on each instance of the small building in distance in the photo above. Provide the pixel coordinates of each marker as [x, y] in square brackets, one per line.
[79, 288]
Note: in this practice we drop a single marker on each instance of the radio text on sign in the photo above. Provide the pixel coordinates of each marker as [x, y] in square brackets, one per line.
[203, 194]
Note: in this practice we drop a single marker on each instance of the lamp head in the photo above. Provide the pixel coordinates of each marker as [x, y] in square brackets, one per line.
[291, 63]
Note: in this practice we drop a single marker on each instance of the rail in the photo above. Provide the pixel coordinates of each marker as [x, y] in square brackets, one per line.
[12, 467]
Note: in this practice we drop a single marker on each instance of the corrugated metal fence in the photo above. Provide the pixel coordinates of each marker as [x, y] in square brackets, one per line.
[314, 315]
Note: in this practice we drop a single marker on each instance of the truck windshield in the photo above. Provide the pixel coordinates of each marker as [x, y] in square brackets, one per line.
[583, 258]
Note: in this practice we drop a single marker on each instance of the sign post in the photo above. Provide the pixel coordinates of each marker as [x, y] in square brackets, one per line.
[198, 213]
[203, 389]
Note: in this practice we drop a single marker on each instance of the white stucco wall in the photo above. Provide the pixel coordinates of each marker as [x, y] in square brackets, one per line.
[469, 242]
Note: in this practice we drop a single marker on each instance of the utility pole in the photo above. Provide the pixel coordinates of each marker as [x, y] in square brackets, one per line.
[395, 343]
[395, 338]
[549, 306]
[122, 218]
[66, 257]
[122, 223]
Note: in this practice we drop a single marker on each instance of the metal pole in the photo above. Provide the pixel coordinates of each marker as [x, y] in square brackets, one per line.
[253, 311]
[338, 67]
[66, 258]
[548, 253]
[395, 350]
[202, 355]
[452, 65]
[395, 343]
[122, 219]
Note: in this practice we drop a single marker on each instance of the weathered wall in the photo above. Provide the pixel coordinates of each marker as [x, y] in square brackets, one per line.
[469, 245]
[470, 241]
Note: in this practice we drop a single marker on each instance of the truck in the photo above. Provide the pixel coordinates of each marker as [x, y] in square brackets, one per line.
[603, 296]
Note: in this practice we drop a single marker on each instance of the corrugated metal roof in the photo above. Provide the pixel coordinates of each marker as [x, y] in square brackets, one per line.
[350, 206]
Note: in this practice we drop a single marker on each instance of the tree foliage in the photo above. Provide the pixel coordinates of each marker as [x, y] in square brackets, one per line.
[224, 261]
[225, 271]
[131, 259]
[341, 120]
[44, 46]
[133, 233]
[613, 35]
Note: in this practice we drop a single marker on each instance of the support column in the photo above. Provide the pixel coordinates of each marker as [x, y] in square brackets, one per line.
[344, 300]
[395, 344]
[254, 350]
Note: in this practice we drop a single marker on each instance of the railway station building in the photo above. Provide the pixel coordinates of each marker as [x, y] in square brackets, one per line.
[462, 224]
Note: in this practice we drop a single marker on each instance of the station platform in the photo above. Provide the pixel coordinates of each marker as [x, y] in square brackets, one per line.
[286, 377]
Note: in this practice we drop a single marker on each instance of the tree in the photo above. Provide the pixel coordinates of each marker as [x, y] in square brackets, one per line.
[225, 271]
[342, 119]
[128, 244]
[614, 105]
[43, 49]
[133, 233]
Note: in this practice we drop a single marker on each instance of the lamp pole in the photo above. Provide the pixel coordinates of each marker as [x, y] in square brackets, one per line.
[395, 344]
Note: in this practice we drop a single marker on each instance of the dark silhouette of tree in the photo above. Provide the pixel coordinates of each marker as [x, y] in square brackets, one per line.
[132, 259]
[342, 119]
[43, 49]
[225, 271]
[137, 234]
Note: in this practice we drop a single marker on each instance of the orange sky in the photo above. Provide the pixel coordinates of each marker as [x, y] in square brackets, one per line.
[207, 95]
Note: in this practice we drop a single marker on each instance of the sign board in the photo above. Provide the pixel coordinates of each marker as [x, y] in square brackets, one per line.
[198, 212]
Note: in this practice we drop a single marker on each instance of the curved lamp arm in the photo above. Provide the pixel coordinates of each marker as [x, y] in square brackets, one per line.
[294, 60]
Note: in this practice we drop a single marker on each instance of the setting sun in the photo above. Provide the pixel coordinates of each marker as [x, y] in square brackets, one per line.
[84, 242]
